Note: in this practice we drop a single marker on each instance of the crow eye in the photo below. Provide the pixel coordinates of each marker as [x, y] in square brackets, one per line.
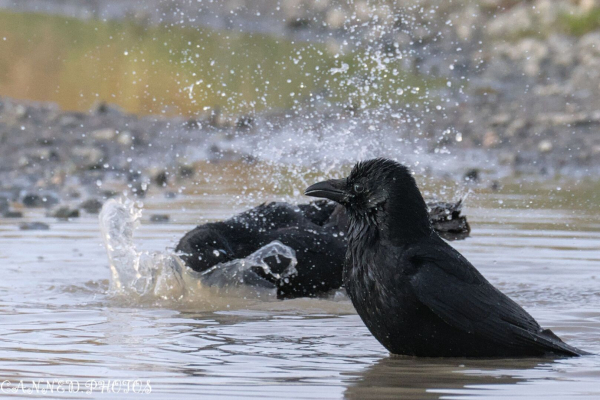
[358, 188]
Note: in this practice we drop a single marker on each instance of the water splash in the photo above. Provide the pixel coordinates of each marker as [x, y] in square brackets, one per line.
[159, 278]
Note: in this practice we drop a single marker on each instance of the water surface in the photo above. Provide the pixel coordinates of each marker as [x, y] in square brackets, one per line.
[539, 244]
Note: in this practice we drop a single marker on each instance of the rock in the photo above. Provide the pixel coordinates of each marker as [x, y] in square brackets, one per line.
[34, 226]
[298, 23]
[20, 112]
[216, 118]
[33, 200]
[100, 108]
[41, 154]
[71, 120]
[545, 146]
[159, 218]
[186, 171]
[161, 178]
[216, 153]
[87, 157]
[588, 5]
[73, 194]
[12, 214]
[588, 48]
[245, 122]
[138, 189]
[4, 205]
[515, 22]
[533, 52]
[507, 158]
[66, 213]
[562, 50]
[335, 18]
[103, 108]
[11, 194]
[91, 206]
[107, 194]
[104, 134]
[490, 139]
[472, 175]
[125, 139]
[192, 124]
[516, 127]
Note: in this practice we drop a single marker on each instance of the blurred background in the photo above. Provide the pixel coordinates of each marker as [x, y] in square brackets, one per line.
[301, 82]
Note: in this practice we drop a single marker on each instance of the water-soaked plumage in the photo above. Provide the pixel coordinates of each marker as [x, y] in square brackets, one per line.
[312, 230]
[319, 249]
[418, 295]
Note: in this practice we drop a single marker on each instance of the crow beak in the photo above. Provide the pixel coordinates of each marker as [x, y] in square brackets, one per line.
[332, 189]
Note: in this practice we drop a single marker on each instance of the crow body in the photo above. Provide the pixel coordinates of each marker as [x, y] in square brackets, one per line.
[316, 232]
[416, 294]
[319, 249]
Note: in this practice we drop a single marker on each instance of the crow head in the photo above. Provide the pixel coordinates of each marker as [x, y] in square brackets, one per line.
[379, 192]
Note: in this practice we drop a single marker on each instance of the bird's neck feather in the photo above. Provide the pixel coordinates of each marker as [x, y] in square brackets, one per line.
[398, 222]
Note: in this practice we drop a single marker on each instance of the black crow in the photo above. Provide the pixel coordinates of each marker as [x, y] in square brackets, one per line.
[316, 231]
[418, 295]
[319, 249]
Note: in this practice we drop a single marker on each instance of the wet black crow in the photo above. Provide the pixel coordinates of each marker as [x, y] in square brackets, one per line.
[418, 295]
[316, 231]
[319, 249]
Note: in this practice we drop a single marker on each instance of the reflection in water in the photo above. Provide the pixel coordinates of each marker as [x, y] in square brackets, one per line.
[58, 320]
[416, 378]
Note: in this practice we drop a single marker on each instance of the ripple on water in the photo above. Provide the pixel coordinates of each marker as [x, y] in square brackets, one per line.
[58, 319]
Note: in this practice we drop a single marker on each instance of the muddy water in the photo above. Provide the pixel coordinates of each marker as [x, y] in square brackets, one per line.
[539, 244]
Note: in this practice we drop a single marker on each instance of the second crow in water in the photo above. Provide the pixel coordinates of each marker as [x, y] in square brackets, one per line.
[309, 229]
[417, 295]
[315, 231]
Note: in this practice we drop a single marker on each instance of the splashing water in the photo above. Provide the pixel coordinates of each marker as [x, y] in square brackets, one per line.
[159, 277]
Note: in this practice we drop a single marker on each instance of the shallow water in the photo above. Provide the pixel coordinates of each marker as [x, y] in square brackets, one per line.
[538, 244]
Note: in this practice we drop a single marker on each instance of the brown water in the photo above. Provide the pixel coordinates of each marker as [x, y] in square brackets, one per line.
[538, 244]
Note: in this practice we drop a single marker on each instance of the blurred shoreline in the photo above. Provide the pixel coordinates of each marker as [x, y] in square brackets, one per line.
[516, 92]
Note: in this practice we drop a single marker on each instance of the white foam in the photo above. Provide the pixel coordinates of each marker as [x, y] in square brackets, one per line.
[162, 277]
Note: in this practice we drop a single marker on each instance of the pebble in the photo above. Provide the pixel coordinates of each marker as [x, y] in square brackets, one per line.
[34, 226]
[104, 134]
[87, 157]
[545, 146]
[245, 122]
[33, 200]
[91, 206]
[472, 175]
[490, 139]
[4, 205]
[186, 171]
[66, 213]
[159, 218]
[125, 139]
[12, 214]
[161, 178]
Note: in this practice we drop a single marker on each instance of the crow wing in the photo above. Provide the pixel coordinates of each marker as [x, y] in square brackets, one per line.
[456, 292]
